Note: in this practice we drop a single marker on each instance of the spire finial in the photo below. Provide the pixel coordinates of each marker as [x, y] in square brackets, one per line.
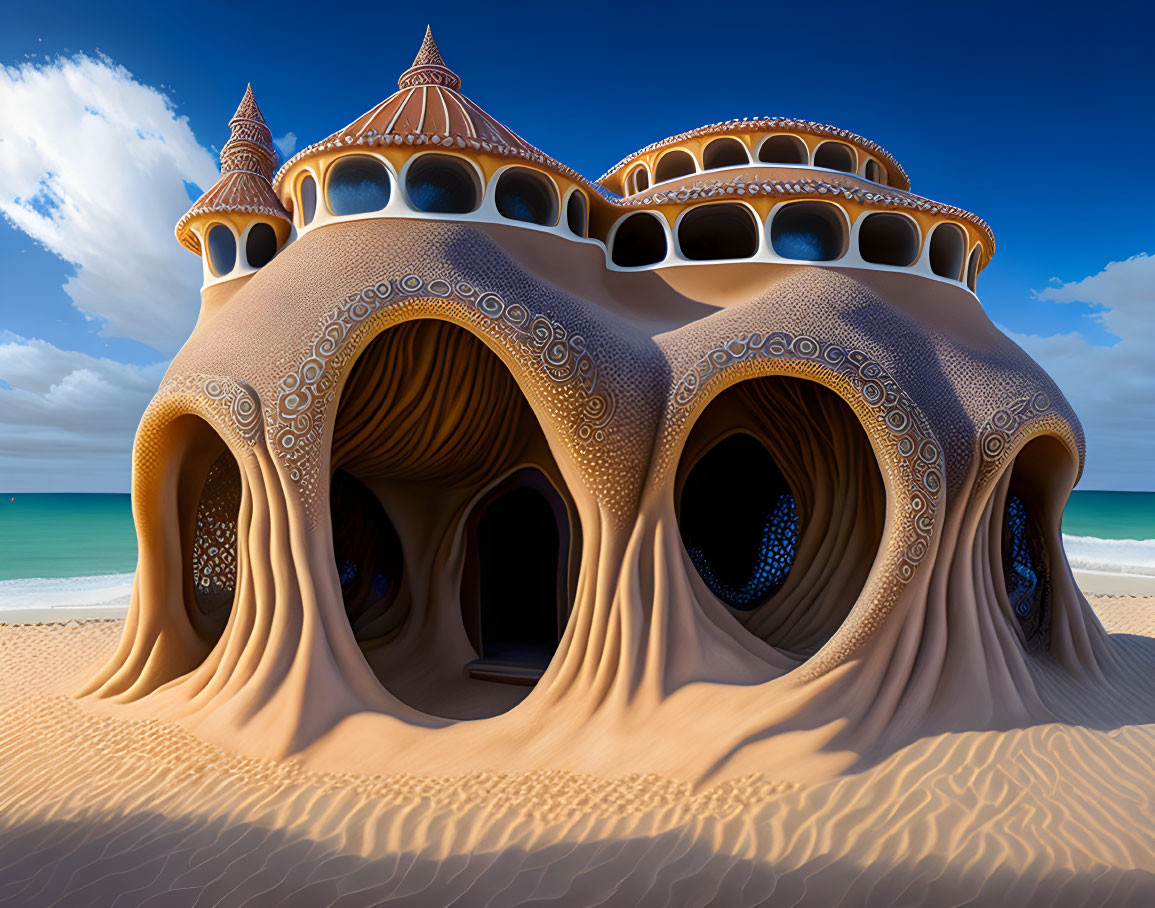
[428, 67]
[250, 147]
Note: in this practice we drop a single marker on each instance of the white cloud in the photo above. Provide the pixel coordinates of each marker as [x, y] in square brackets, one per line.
[67, 419]
[286, 144]
[92, 165]
[1112, 388]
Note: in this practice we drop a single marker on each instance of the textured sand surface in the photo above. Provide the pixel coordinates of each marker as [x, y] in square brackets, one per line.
[100, 810]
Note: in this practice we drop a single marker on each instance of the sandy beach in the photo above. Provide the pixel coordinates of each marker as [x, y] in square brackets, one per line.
[102, 810]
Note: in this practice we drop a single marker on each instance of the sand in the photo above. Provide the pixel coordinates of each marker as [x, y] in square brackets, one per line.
[103, 810]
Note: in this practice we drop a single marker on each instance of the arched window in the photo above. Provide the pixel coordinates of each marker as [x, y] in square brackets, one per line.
[577, 214]
[357, 184]
[835, 156]
[308, 200]
[888, 239]
[638, 180]
[724, 152]
[261, 245]
[208, 502]
[526, 195]
[973, 269]
[783, 150]
[781, 506]
[222, 250]
[874, 172]
[1030, 540]
[947, 248]
[808, 232]
[442, 183]
[719, 231]
[674, 164]
[739, 522]
[639, 240]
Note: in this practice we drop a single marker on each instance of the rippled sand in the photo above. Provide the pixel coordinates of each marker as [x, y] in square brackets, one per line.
[97, 810]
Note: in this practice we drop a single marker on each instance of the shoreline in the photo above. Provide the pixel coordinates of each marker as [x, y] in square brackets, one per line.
[61, 599]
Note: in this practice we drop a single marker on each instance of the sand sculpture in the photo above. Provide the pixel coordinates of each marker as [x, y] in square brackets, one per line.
[711, 468]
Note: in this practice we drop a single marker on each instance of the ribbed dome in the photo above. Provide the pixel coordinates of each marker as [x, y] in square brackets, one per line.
[247, 162]
[428, 109]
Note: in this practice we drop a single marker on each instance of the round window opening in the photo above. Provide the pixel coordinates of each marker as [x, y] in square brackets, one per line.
[358, 185]
[739, 521]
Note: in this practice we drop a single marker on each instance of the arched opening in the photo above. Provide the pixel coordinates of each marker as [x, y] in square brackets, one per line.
[515, 584]
[357, 184]
[808, 232]
[781, 508]
[724, 152]
[719, 231]
[888, 239]
[1028, 533]
[947, 248]
[208, 506]
[835, 156]
[875, 173]
[577, 214]
[973, 269]
[437, 458]
[261, 245]
[441, 183]
[368, 554]
[522, 194]
[639, 240]
[308, 193]
[222, 247]
[637, 181]
[783, 150]
[674, 164]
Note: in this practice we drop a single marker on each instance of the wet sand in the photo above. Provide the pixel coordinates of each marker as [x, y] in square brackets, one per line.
[101, 810]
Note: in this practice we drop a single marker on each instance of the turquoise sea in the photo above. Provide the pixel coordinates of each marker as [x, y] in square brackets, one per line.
[79, 535]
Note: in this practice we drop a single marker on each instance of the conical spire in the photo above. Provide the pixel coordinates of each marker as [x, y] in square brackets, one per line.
[250, 147]
[247, 163]
[428, 68]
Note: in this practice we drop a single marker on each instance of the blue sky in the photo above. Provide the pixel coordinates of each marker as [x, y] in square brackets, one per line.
[1039, 119]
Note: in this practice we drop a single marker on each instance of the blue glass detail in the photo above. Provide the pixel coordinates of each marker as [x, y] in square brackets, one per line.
[358, 185]
[775, 553]
[1024, 566]
[807, 233]
[739, 521]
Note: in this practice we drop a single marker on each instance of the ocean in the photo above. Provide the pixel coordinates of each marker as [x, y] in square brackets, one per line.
[81, 549]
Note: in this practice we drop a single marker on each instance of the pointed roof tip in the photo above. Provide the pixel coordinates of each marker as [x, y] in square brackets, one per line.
[428, 54]
[428, 67]
[248, 109]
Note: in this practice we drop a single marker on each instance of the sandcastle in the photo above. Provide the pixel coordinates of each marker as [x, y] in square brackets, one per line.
[713, 467]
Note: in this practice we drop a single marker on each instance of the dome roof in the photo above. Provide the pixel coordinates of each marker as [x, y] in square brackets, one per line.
[612, 177]
[428, 109]
[246, 168]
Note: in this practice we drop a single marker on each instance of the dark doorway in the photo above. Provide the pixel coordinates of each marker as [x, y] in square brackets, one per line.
[368, 555]
[514, 591]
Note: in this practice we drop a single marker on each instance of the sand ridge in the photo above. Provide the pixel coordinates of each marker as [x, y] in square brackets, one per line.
[102, 810]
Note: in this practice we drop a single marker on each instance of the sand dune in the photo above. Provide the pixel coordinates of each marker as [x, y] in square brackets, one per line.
[101, 810]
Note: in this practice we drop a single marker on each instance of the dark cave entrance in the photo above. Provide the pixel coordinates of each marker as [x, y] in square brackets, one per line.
[515, 584]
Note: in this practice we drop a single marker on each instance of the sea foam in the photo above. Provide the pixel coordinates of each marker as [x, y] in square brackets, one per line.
[1116, 556]
[64, 592]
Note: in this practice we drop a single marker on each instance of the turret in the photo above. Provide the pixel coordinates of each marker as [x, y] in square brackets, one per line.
[239, 224]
